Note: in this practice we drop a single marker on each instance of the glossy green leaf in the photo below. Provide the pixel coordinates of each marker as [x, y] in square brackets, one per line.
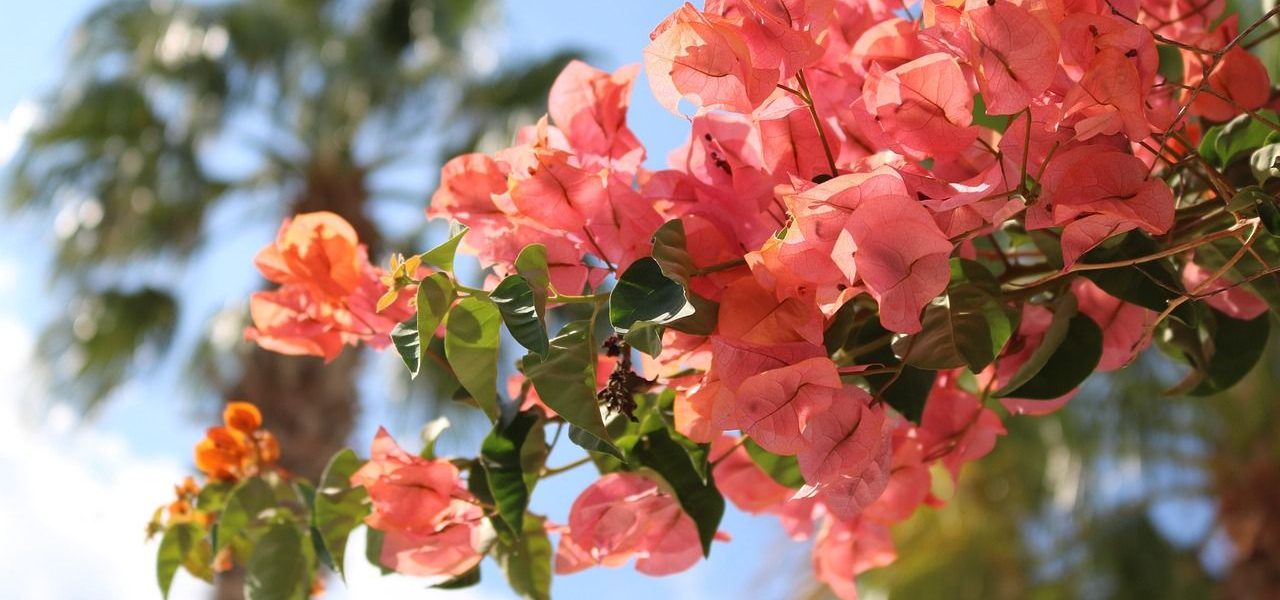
[1236, 347]
[594, 443]
[701, 500]
[469, 579]
[501, 456]
[471, 345]
[645, 337]
[966, 326]
[213, 496]
[1264, 163]
[1241, 136]
[526, 560]
[280, 567]
[404, 337]
[1208, 148]
[183, 545]
[566, 382]
[531, 264]
[644, 293]
[1149, 284]
[435, 294]
[441, 257]
[339, 506]
[1068, 355]
[241, 520]
[670, 252]
[782, 469]
[1215, 255]
[1269, 214]
[906, 392]
[517, 304]
[373, 549]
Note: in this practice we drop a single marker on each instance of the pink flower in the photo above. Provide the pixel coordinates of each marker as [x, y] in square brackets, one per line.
[426, 515]
[742, 482]
[845, 549]
[625, 514]
[1236, 302]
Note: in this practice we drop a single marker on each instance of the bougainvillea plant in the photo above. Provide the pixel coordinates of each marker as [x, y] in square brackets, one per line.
[891, 229]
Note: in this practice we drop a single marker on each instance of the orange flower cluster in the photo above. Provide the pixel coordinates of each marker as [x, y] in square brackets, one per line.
[329, 292]
[239, 449]
[181, 510]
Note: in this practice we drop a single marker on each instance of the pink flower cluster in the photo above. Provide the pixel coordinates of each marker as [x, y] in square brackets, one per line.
[430, 523]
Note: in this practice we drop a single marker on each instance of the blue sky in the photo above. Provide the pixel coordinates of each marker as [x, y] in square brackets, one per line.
[126, 459]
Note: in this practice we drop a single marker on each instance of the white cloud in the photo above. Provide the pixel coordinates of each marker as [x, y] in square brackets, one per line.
[75, 500]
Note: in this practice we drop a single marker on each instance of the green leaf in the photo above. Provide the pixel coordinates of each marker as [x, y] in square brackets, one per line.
[980, 116]
[645, 337]
[1170, 62]
[1236, 347]
[1263, 162]
[1150, 284]
[404, 337]
[373, 549]
[566, 382]
[280, 567]
[471, 345]
[1209, 145]
[183, 545]
[213, 496]
[590, 441]
[701, 500]
[966, 326]
[435, 294]
[1270, 217]
[782, 469]
[517, 303]
[703, 320]
[526, 560]
[1069, 353]
[241, 520]
[1241, 136]
[908, 391]
[339, 506]
[1215, 255]
[463, 581]
[531, 264]
[501, 456]
[441, 257]
[644, 293]
[669, 251]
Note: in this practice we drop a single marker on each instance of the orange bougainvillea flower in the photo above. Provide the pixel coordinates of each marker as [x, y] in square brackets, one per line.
[330, 295]
[242, 417]
[223, 453]
[240, 448]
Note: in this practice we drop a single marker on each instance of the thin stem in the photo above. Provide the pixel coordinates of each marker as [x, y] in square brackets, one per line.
[738, 444]
[549, 471]
[724, 266]
[589, 299]
[817, 121]
[1232, 231]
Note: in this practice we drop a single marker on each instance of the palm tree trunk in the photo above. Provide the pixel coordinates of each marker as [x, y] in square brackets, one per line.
[310, 406]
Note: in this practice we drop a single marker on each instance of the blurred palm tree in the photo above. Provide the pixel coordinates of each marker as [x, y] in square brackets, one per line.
[314, 104]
